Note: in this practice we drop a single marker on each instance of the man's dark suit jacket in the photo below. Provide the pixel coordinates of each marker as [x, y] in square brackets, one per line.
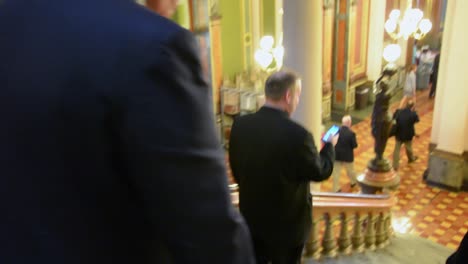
[108, 149]
[273, 159]
[344, 149]
[460, 256]
[405, 120]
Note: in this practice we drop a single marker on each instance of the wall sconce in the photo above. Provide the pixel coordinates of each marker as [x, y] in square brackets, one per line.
[268, 57]
[411, 24]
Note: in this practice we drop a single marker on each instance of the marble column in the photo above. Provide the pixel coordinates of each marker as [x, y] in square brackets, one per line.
[448, 163]
[376, 42]
[302, 25]
[375, 39]
[302, 22]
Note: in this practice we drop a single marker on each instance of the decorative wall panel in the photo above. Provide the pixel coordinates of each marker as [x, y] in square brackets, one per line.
[359, 29]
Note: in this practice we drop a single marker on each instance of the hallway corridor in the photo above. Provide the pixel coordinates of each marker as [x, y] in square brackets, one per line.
[438, 215]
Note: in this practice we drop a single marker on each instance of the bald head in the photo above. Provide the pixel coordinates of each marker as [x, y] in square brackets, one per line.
[346, 120]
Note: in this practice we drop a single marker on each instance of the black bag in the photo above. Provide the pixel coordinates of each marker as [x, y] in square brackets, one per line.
[394, 127]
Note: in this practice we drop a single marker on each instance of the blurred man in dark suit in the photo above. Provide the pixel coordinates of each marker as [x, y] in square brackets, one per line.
[460, 256]
[273, 159]
[405, 119]
[108, 150]
[344, 154]
[434, 76]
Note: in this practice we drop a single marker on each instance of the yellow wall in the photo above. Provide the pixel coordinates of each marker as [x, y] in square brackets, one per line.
[231, 37]
[269, 16]
[181, 15]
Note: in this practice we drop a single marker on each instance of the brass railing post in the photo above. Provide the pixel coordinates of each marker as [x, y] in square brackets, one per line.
[344, 241]
[370, 232]
[388, 227]
[312, 247]
[380, 233]
[329, 242]
[357, 238]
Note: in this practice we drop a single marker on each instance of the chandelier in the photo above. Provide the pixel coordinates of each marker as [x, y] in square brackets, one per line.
[411, 24]
[268, 57]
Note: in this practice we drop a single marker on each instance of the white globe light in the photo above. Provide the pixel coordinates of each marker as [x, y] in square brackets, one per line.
[263, 58]
[267, 42]
[394, 15]
[278, 53]
[390, 26]
[417, 14]
[425, 25]
[407, 27]
[391, 52]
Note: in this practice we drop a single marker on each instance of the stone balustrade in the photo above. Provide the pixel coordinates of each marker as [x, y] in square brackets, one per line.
[345, 223]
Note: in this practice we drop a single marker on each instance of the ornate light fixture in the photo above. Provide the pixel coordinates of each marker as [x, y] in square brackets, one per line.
[411, 24]
[268, 57]
[391, 53]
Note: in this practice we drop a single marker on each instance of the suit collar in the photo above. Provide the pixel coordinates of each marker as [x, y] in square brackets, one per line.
[272, 110]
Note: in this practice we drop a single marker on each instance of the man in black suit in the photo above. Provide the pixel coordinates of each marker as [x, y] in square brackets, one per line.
[273, 159]
[434, 76]
[108, 150]
[405, 120]
[460, 256]
[344, 154]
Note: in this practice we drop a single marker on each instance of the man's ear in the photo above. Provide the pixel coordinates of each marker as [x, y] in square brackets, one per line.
[288, 96]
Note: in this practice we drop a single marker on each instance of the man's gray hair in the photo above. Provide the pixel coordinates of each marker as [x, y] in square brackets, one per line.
[279, 83]
[346, 120]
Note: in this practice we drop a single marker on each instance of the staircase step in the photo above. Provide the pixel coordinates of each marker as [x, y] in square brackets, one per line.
[404, 249]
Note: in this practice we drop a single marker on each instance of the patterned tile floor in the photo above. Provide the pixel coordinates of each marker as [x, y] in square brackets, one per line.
[438, 215]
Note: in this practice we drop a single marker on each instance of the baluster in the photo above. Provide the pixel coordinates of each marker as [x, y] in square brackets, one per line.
[344, 241]
[388, 227]
[357, 238]
[312, 248]
[370, 232]
[380, 232]
[329, 243]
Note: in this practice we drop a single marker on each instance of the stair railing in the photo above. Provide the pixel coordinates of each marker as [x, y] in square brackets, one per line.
[345, 223]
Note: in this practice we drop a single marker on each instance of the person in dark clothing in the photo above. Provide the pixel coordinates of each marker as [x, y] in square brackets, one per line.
[434, 75]
[460, 256]
[108, 150]
[273, 159]
[405, 119]
[344, 153]
[381, 121]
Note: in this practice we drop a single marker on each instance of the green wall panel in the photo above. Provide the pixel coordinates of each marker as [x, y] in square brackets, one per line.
[269, 17]
[231, 37]
[181, 15]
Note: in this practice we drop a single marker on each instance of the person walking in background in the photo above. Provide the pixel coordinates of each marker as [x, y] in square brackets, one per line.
[344, 154]
[434, 76]
[405, 120]
[409, 89]
[108, 150]
[273, 159]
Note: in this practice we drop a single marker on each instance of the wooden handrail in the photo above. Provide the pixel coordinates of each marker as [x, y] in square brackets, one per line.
[338, 200]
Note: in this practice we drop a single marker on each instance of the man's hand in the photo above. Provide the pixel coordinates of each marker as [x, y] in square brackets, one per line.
[334, 139]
